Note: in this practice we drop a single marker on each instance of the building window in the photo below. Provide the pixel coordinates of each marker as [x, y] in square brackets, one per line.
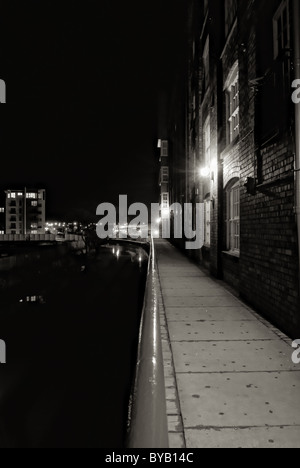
[2, 210]
[164, 149]
[206, 64]
[233, 218]
[207, 221]
[34, 232]
[282, 43]
[1, 233]
[230, 14]
[165, 175]
[34, 203]
[233, 104]
[31, 195]
[165, 201]
[281, 28]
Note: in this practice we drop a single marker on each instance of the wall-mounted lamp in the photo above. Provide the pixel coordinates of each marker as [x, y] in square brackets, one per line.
[250, 184]
[205, 172]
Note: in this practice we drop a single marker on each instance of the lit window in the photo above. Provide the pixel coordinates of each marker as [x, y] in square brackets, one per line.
[20, 194]
[207, 221]
[164, 149]
[2, 210]
[233, 104]
[233, 218]
[207, 142]
[34, 231]
[1, 233]
[12, 195]
[165, 201]
[164, 175]
[34, 203]
[31, 195]
[34, 226]
[281, 28]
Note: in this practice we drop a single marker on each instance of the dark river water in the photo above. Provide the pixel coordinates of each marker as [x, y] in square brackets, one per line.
[71, 325]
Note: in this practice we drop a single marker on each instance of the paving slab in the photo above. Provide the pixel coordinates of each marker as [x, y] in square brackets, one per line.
[219, 331]
[197, 292]
[254, 437]
[240, 399]
[204, 314]
[233, 356]
[171, 301]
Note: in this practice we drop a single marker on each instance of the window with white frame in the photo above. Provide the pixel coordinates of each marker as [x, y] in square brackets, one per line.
[233, 104]
[165, 175]
[281, 29]
[207, 142]
[207, 221]
[233, 218]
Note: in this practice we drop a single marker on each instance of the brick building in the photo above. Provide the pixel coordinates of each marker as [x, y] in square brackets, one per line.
[231, 139]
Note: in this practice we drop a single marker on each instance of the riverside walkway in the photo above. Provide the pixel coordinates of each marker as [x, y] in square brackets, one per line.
[230, 380]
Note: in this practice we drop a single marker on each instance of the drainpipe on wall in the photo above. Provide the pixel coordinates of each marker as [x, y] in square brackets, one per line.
[296, 14]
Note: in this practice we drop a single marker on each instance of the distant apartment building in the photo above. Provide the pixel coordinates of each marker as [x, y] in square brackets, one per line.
[232, 143]
[25, 211]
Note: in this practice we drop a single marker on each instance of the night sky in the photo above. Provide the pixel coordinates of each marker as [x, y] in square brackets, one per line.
[83, 84]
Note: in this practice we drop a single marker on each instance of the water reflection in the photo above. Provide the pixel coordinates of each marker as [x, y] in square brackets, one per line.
[137, 255]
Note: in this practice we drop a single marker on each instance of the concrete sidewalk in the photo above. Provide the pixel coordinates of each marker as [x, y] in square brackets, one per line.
[229, 375]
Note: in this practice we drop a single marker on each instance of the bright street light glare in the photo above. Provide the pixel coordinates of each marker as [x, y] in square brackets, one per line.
[204, 171]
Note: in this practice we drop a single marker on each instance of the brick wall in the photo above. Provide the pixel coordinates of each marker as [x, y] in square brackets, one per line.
[269, 249]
